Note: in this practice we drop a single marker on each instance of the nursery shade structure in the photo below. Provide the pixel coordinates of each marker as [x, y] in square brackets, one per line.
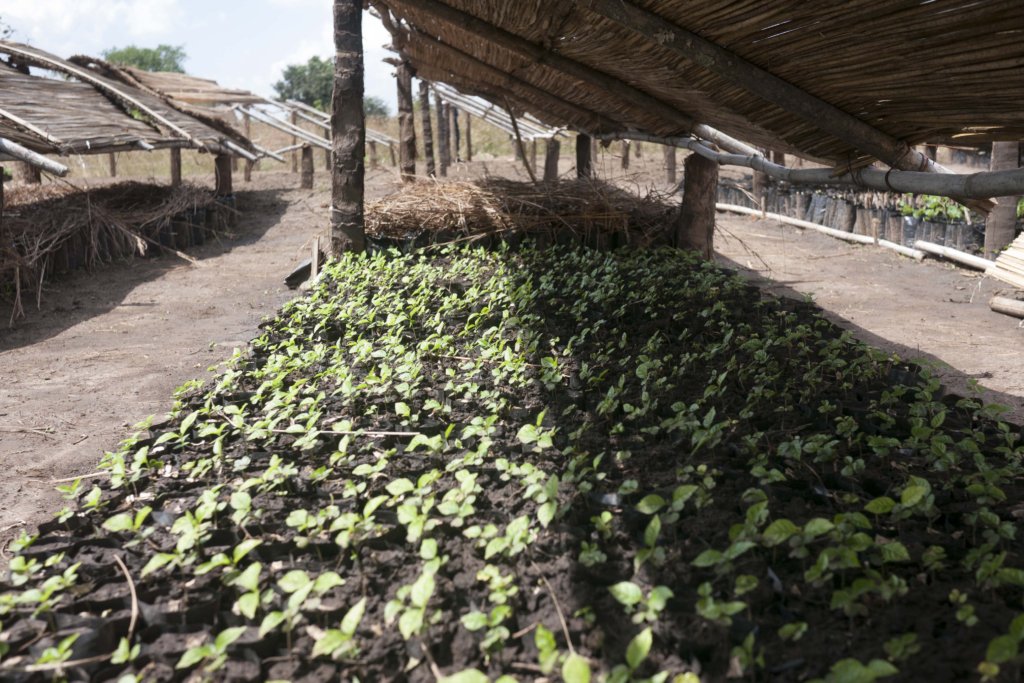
[846, 83]
[170, 126]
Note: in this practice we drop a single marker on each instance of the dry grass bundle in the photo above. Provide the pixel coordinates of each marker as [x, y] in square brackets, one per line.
[590, 211]
[57, 228]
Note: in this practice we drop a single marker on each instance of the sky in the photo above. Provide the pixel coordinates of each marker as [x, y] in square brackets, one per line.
[238, 43]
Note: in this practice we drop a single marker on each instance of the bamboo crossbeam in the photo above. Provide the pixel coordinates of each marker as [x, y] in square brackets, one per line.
[285, 150]
[268, 153]
[981, 185]
[1007, 306]
[239, 150]
[274, 122]
[296, 104]
[15, 150]
[492, 114]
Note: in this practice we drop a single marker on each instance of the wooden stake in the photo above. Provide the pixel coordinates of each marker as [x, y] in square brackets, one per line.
[469, 137]
[374, 161]
[294, 119]
[1000, 225]
[625, 154]
[670, 164]
[584, 162]
[406, 124]
[348, 130]
[176, 166]
[552, 151]
[453, 133]
[428, 132]
[314, 259]
[519, 144]
[695, 225]
[306, 181]
[442, 136]
[247, 125]
[112, 159]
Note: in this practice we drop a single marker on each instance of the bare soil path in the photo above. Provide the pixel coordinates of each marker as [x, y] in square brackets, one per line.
[109, 347]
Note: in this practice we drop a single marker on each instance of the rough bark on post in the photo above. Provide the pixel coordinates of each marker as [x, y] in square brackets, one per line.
[533, 153]
[453, 133]
[428, 132]
[348, 131]
[584, 163]
[247, 125]
[1001, 222]
[112, 158]
[442, 136]
[294, 119]
[306, 183]
[552, 151]
[625, 154]
[222, 167]
[670, 164]
[27, 173]
[469, 137]
[175, 166]
[695, 225]
[406, 123]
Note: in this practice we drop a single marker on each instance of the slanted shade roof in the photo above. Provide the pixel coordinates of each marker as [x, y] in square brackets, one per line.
[66, 117]
[173, 127]
[190, 89]
[914, 70]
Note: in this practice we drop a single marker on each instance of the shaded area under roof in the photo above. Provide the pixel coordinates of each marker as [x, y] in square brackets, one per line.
[916, 71]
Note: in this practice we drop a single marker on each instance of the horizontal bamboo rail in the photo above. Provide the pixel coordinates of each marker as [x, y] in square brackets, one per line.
[960, 257]
[15, 150]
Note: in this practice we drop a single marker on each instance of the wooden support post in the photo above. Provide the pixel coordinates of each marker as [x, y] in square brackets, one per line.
[625, 154]
[533, 154]
[294, 120]
[306, 182]
[551, 153]
[406, 123]
[519, 144]
[247, 126]
[760, 187]
[695, 225]
[453, 135]
[584, 162]
[374, 161]
[428, 132]
[222, 168]
[391, 151]
[27, 173]
[348, 130]
[112, 159]
[670, 164]
[234, 163]
[638, 150]
[175, 166]
[469, 137]
[442, 136]
[1001, 222]
[327, 160]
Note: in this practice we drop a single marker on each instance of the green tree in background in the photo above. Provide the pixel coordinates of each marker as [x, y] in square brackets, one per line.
[313, 83]
[159, 58]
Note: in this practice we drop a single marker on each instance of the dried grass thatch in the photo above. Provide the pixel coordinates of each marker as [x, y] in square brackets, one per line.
[56, 228]
[588, 211]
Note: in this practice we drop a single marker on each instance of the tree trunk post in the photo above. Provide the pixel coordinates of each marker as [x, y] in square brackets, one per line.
[406, 124]
[247, 125]
[1001, 222]
[469, 137]
[348, 131]
[306, 181]
[428, 132]
[551, 153]
[176, 166]
[584, 162]
[442, 136]
[112, 159]
[625, 154]
[670, 164]
[695, 225]
[222, 168]
[294, 119]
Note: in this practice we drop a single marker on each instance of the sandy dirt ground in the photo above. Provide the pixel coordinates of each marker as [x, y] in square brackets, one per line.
[109, 347]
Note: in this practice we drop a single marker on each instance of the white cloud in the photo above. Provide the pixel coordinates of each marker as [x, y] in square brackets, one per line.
[46, 22]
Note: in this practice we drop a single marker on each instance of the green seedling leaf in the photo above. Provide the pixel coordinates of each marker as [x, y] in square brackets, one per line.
[193, 656]
[226, 637]
[249, 579]
[894, 552]
[350, 622]
[402, 409]
[708, 558]
[400, 487]
[779, 532]
[627, 593]
[466, 676]
[575, 669]
[293, 581]
[474, 621]
[793, 631]
[638, 648]
[270, 622]
[818, 526]
[880, 506]
[326, 582]
[243, 549]
[546, 513]
[157, 561]
[1002, 649]
[652, 531]
[650, 504]
[912, 495]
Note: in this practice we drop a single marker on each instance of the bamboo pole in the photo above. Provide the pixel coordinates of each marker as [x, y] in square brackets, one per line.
[519, 145]
[469, 136]
[915, 254]
[960, 257]
[286, 127]
[442, 135]
[1002, 304]
[13, 149]
[295, 140]
[247, 126]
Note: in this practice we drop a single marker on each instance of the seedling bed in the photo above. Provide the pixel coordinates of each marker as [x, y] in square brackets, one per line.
[564, 464]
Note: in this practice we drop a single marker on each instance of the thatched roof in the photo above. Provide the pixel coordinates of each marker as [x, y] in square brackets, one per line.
[190, 89]
[94, 113]
[903, 71]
